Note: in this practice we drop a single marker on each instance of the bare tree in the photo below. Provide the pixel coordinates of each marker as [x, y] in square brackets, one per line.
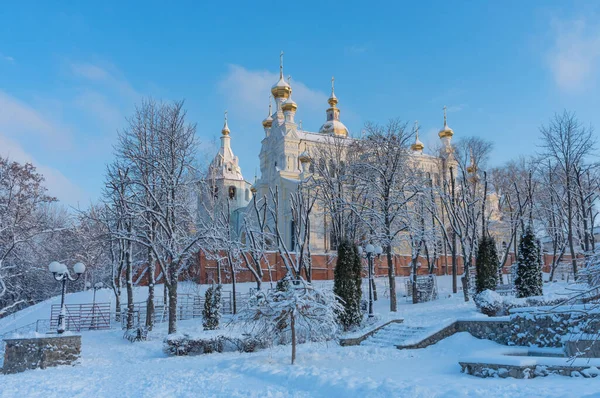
[567, 143]
[24, 216]
[383, 172]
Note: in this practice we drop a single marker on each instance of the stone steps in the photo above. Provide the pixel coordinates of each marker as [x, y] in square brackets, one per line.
[394, 335]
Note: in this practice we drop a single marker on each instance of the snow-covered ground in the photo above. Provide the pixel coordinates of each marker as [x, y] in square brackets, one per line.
[111, 366]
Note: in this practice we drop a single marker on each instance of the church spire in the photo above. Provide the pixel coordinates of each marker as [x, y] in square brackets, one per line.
[280, 90]
[225, 130]
[268, 121]
[332, 99]
[446, 132]
[418, 145]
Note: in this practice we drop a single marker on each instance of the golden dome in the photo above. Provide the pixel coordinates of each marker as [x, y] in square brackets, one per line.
[225, 130]
[418, 145]
[304, 157]
[289, 105]
[267, 122]
[446, 131]
[281, 89]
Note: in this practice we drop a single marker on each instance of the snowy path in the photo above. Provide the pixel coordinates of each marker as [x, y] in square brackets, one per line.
[113, 367]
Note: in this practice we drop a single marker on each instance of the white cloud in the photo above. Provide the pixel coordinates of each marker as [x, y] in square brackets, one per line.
[57, 183]
[7, 58]
[18, 119]
[574, 56]
[247, 93]
[109, 77]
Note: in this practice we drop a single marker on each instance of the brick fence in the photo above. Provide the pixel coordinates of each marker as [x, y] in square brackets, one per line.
[204, 270]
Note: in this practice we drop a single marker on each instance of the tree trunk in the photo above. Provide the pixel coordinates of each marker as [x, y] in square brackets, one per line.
[392, 279]
[117, 306]
[172, 289]
[233, 286]
[570, 227]
[293, 327]
[415, 291]
[453, 249]
[129, 278]
[151, 283]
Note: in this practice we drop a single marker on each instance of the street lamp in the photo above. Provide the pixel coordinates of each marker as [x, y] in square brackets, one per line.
[97, 286]
[369, 252]
[61, 273]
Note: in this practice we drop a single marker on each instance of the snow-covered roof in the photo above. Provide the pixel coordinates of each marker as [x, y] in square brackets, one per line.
[335, 127]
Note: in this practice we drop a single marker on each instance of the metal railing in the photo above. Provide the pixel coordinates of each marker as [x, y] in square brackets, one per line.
[189, 306]
[90, 316]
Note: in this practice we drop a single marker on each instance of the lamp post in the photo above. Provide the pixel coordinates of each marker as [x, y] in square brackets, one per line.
[369, 252]
[97, 286]
[61, 273]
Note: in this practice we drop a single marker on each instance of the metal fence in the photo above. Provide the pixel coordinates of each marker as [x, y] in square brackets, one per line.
[90, 316]
[189, 306]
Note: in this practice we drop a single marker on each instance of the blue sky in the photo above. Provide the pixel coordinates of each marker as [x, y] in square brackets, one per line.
[70, 72]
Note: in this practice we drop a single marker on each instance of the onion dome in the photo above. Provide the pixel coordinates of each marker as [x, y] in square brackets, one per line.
[446, 131]
[333, 125]
[304, 157]
[281, 89]
[418, 145]
[289, 105]
[225, 130]
[268, 121]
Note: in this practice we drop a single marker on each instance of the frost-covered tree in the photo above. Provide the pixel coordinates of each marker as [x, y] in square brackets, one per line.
[347, 284]
[25, 217]
[486, 264]
[300, 312]
[384, 173]
[567, 143]
[211, 314]
[529, 271]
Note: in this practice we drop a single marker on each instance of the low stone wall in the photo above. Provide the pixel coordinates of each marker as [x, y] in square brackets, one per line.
[485, 370]
[348, 341]
[522, 329]
[40, 352]
[583, 348]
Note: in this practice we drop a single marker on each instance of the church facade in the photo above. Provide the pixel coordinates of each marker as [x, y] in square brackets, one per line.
[285, 158]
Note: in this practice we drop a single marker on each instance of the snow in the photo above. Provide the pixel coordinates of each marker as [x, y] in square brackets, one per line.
[112, 366]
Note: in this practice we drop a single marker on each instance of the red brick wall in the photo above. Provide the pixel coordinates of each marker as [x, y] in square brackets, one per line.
[205, 270]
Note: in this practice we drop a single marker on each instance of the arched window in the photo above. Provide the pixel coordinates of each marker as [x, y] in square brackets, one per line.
[247, 194]
[232, 192]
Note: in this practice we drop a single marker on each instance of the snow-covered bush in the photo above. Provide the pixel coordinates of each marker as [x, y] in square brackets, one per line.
[347, 284]
[490, 303]
[301, 312]
[211, 315]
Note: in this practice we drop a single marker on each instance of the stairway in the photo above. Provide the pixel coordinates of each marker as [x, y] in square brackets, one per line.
[395, 334]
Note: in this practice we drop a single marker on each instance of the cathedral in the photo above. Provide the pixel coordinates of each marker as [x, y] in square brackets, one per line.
[285, 159]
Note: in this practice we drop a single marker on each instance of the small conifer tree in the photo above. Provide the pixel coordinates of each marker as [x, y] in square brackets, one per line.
[211, 315]
[347, 284]
[486, 265]
[529, 272]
